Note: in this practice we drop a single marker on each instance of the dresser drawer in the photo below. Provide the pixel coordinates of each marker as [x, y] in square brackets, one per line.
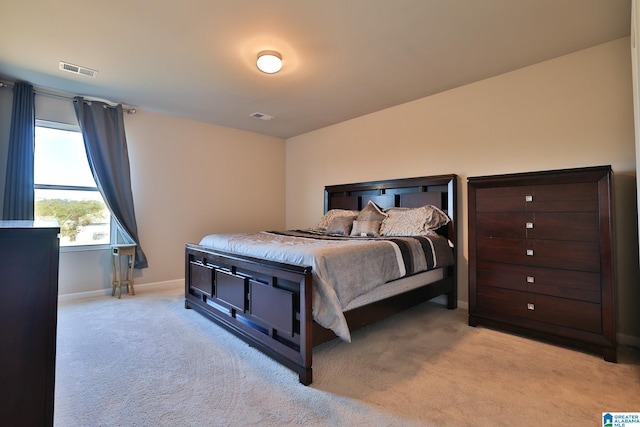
[510, 225]
[584, 316]
[578, 285]
[580, 256]
[580, 315]
[502, 199]
[572, 197]
[506, 276]
[502, 301]
[576, 226]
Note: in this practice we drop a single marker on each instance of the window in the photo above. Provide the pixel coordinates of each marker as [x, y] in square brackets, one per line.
[65, 190]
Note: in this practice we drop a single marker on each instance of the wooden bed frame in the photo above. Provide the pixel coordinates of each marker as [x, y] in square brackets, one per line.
[268, 304]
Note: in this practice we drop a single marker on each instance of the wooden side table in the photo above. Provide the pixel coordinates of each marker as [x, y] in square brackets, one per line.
[122, 277]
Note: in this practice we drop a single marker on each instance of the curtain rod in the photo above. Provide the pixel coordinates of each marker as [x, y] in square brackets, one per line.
[68, 98]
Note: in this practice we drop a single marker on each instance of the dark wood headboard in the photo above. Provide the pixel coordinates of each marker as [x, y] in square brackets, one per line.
[437, 190]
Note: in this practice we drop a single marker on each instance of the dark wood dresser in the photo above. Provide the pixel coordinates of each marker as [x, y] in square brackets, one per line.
[541, 256]
[28, 315]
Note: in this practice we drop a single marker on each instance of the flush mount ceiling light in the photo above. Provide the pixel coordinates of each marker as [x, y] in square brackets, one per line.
[269, 61]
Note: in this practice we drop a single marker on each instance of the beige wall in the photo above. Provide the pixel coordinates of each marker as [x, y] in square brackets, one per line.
[191, 178]
[187, 181]
[573, 111]
[569, 112]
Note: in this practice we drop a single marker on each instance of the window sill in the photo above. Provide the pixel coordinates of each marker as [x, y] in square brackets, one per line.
[85, 248]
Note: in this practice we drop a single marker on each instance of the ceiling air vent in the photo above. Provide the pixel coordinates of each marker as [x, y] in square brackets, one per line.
[77, 69]
[261, 116]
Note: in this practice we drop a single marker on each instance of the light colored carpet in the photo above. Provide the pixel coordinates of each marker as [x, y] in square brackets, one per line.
[146, 361]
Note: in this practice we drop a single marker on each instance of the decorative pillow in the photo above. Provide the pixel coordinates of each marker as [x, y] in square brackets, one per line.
[413, 221]
[340, 225]
[435, 217]
[371, 212]
[366, 228]
[333, 213]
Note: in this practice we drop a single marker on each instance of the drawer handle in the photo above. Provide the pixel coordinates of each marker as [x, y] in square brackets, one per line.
[531, 306]
[528, 198]
[529, 252]
[531, 279]
[529, 225]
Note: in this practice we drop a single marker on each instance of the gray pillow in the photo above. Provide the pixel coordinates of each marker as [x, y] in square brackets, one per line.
[366, 228]
[340, 226]
[371, 212]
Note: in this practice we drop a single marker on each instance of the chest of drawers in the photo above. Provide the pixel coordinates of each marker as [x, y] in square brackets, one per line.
[540, 256]
[29, 256]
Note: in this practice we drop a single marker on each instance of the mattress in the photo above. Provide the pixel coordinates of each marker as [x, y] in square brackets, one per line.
[343, 268]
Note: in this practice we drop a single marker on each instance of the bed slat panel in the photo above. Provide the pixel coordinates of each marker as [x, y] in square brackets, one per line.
[275, 306]
[201, 278]
[416, 200]
[231, 289]
[383, 201]
[345, 202]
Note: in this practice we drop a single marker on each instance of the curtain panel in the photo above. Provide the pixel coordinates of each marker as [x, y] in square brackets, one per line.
[18, 190]
[102, 128]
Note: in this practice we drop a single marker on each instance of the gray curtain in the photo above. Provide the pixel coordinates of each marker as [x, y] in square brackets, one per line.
[102, 128]
[18, 190]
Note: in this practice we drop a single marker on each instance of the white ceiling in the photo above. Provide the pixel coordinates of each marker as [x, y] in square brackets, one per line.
[342, 58]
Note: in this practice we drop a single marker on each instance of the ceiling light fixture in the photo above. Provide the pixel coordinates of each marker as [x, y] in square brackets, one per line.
[269, 61]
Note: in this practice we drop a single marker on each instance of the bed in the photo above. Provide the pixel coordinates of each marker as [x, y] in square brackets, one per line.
[282, 291]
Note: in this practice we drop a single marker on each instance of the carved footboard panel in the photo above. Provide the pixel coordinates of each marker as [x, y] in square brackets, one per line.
[268, 304]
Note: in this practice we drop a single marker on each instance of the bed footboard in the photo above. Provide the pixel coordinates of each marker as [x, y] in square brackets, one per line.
[267, 304]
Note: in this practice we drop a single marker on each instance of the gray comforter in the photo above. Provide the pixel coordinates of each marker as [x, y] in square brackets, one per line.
[343, 268]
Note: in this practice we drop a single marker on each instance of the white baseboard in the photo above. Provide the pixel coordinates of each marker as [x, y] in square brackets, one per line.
[178, 283]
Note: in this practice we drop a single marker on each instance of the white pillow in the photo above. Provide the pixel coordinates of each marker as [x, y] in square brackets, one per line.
[412, 221]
